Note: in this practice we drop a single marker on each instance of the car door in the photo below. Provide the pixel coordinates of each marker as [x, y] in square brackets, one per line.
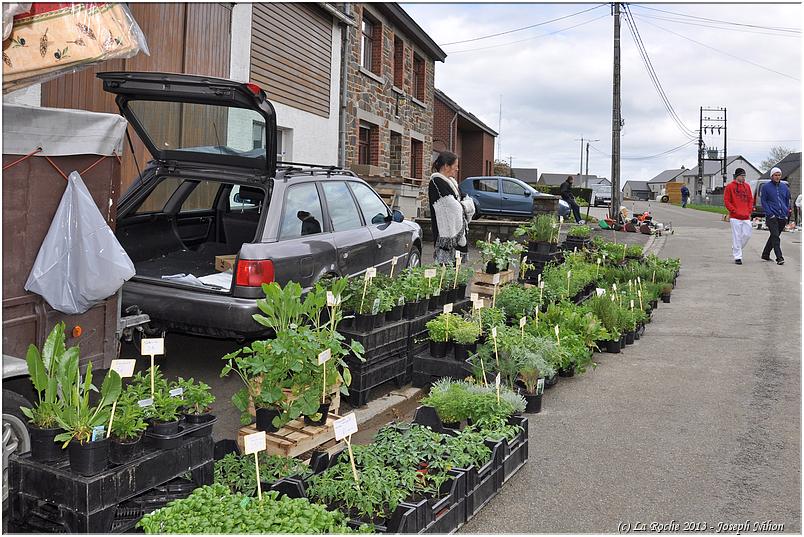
[516, 198]
[390, 238]
[354, 243]
[487, 193]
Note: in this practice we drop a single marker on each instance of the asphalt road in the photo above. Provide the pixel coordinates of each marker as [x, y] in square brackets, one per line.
[698, 422]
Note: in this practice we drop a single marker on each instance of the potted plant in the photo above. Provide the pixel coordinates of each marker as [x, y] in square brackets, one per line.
[164, 415]
[84, 425]
[128, 427]
[465, 336]
[542, 234]
[497, 255]
[439, 335]
[44, 370]
[666, 290]
[532, 367]
[198, 399]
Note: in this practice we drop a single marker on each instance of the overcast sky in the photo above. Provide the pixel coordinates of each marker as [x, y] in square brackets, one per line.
[557, 88]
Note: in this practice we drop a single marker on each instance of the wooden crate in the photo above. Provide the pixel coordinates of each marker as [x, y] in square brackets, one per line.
[484, 291]
[505, 277]
[334, 406]
[294, 438]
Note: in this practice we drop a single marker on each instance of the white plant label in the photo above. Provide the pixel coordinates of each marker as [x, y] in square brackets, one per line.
[614, 286]
[497, 381]
[124, 368]
[477, 304]
[561, 219]
[332, 300]
[522, 322]
[324, 356]
[145, 402]
[458, 256]
[541, 284]
[494, 332]
[495, 279]
[254, 443]
[488, 239]
[600, 292]
[598, 260]
[639, 292]
[540, 387]
[556, 328]
[430, 273]
[447, 308]
[371, 272]
[176, 392]
[153, 346]
[346, 426]
[632, 303]
[394, 260]
[473, 297]
[375, 306]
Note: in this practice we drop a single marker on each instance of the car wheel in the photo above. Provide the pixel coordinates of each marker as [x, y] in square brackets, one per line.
[665, 199]
[477, 209]
[414, 257]
[15, 434]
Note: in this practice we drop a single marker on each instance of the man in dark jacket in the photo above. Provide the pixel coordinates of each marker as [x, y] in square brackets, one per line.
[685, 195]
[776, 204]
[739, 201]
[566, 194]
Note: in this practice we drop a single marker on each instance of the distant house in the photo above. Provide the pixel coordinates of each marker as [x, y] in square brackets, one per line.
[555, 179]
[528, 175]
[636, 190]
[791, 172]
[657, 183]
[460, 131]
[712, 176]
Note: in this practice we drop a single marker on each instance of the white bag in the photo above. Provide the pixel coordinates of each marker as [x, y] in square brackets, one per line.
[80, 261]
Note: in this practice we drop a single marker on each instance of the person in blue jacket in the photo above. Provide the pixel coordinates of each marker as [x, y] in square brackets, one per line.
[776, 204]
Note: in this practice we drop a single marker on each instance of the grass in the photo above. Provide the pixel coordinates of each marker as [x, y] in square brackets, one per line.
[708, 208]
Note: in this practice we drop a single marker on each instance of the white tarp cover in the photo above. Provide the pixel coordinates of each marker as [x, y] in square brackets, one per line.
[61, 131]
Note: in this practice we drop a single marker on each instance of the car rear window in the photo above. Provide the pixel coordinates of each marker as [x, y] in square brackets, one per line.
[486, 185]
[342, 210]
[302, 214]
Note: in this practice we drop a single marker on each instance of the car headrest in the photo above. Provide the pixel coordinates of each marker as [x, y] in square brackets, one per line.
[254, 196]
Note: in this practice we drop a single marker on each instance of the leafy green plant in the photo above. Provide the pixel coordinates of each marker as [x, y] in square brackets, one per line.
[536, 362]
[515, 301]
[77, 417]
[129, 418]
[239, 474]
[441, 328]
[633, 250]
[466, 332]
[48, 370]
[579, 231]
[197, 396]
[542, 228]
[448, 397]
[499, 253]
[282, 307]
[491, 317]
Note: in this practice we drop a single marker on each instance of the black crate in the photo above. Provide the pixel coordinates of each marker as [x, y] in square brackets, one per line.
[426, 369]
[448, 512]
[370, 375]
[381, 342]
[483, 484]
[418, 340]
[89, 504]
[515, 452]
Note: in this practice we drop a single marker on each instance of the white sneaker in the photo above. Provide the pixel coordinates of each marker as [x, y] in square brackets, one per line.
[581, 222]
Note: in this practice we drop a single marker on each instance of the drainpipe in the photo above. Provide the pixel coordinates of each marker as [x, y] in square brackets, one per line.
[346, 41]
[451, 144]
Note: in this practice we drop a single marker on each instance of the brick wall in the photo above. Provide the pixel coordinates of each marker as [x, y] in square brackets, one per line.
[442, 117]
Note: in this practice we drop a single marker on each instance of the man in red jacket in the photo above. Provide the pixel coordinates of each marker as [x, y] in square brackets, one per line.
[739, 201]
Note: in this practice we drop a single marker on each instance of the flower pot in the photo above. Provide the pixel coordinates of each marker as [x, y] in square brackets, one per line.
[434, 303]
[640, 330]
[439, 349]
[534, 403]
[364, 323]
[346, 323]
[90, 458]
[410, 310]
[195, 419]
[654, 304]
[460, 292]
[164, 427]
[630, 337]
[265, 418]
[123, 451]
[423, 305]
[462, 352]
[43, 447]
[379, 320]
[452, 424]
[395, 314]
[601, 345]
[491, 268]
[323, 409]
[622, 341]
[666, 298]
[567, 371]
[549, 382]
[613, 345]
[539, 247]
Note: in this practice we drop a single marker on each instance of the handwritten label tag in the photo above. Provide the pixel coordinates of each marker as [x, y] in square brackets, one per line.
[176, 392]
[447, 308]
[458, 256]
[600, 292]
[598, 260]
[477, 304]
[346, 426]
[540, 387]
[473, 297]
[324, 356]
[495, 279]
[394, 260]
[522, 322]
[614, 286]
[254, 443]
[639, 292]
[153, 346]
[332, 300]
[430, 273]
[494, 332]
[145, 402]
[124, 368]
[541, 284]
[371, 272]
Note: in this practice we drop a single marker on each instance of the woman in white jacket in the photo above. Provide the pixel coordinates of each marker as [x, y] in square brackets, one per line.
[450, 211]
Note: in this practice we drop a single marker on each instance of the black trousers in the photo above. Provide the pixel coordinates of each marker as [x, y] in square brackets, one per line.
[775, 226]
[576, 210]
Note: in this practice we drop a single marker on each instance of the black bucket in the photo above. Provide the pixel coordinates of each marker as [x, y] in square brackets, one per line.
[613, 345]
[380, 320]
[90, 458]
[434, 303]
[43, 447]
[462, 352]
[164, 427]
[567, 371]
[122, 452]
[364, 323]
[395, 314]
[630, 338]
[195, 419]
[439, 349]
[265, 418]
[323, 410]
[666, 298]
[534, 405]
[411, 310]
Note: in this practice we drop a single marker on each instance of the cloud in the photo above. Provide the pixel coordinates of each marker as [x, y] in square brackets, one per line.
[557, 88]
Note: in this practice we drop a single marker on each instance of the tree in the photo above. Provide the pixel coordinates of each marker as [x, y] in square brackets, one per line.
[502, 169]
[777, 153]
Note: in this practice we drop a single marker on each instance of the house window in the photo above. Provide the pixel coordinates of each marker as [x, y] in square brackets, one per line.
[371, 44]
[258, 134]
[416, 149]
[399, 60]
[418, 77]
[488, 167]
[364, 145]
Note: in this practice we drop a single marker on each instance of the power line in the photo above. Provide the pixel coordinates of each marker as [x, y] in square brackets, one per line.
[763, 141]
[741, 30]
[777, 28]
[520, 29]
[653, 76]
[724, 53]
[529, 38]
[658, 155]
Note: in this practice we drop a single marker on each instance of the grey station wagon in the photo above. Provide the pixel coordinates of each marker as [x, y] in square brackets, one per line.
[214, 189]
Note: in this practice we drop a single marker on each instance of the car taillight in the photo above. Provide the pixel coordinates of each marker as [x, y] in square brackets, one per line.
[254, 272]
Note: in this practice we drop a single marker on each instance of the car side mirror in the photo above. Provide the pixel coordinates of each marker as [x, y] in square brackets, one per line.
[397, 216]
[527, 193]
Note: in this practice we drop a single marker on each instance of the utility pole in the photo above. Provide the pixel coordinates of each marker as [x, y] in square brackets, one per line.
[580, 166]
[511, 165]
[615, 120]
[587, 158]
[717, 122]
[499, 130]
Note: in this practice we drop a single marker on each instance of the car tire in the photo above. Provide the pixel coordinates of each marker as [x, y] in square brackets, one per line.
[477, 209]
[414, 257]
[665, 199]
[16, 438]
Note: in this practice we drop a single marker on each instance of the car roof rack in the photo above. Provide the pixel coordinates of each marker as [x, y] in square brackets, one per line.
[294, 168]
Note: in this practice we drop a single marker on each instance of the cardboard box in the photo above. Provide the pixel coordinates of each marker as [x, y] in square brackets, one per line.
[224, 262]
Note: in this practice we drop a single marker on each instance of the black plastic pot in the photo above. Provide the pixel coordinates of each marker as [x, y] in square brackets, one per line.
[379, 320]
[567, 371]
[462, 351]
[90, 458]
[491, 268]
[265, 418]
[666, 298]
[549, 382]
[534, 405]
[164, 427]
[43, 447]
[540, 247]
[434, 303]
[613, 345]
[452, 424]
[323, 410]
[630, 337]
[121, 452]
[198, 418]
[654, 303]
[460, 292]
[410, 310]
[364, 323]
[395, 314]
[601, 345]
[423, 305]
[622, 341]
[439, 349]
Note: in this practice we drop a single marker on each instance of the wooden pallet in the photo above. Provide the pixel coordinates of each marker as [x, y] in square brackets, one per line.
[334, 406]
[488, 279]
[485, 291]
[293, 439]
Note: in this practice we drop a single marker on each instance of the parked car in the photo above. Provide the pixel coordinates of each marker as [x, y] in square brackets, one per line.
[214, 189]
[756, 185]
[601, 195]
[505, 196]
